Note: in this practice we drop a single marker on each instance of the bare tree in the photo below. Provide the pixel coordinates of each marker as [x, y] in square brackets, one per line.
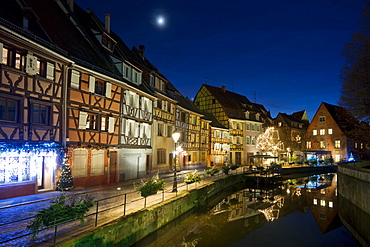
[355, 74]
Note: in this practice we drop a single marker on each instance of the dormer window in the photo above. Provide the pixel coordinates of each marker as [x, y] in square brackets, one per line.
[108, 42]
[247, 114]
[257, 116]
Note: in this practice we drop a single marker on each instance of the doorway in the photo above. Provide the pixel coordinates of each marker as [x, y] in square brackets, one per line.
[113, 167]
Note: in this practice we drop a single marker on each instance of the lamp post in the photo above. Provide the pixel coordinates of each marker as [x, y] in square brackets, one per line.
[175, 137]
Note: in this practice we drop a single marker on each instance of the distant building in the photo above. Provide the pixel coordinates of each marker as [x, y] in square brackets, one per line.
[244, 119]
[335, 135]
[292, 132]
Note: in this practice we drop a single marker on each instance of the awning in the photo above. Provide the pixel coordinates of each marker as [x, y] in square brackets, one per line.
[263, 156]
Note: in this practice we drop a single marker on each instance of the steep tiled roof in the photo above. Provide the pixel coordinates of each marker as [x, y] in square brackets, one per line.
[342, 117]
[236, 105]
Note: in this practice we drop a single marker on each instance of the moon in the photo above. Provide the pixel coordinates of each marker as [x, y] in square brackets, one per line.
[161, 21]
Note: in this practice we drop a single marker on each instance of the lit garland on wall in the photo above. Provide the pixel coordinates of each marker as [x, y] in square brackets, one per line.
[29, 147]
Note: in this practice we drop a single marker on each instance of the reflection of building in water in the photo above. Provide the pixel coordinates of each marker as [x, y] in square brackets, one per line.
[322, 200]
[250, 202]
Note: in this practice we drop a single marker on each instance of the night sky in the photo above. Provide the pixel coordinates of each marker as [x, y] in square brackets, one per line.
[286, 55]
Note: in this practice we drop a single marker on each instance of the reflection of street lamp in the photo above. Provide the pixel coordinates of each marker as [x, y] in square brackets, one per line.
[175, 137]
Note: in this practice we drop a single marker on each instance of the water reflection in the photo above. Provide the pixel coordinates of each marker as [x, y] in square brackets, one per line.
[286, 213]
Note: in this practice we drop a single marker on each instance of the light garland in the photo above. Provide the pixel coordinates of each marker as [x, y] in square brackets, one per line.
[270, 140]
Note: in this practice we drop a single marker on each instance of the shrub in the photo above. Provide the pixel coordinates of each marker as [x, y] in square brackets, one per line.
[192, 177]
[234, 167]
[226, 169]
[62, 209]
[212, 171]
[151, 186]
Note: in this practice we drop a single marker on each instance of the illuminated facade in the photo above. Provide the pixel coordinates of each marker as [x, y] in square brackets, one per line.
[244, 120]
[292, 132]
[334, 136]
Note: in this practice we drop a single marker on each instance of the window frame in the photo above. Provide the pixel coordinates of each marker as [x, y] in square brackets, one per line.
[6, 110]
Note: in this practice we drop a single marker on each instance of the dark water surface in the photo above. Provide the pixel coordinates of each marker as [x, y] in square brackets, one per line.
[296, 212]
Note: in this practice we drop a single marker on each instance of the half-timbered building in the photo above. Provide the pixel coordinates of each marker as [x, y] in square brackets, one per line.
[31, 103]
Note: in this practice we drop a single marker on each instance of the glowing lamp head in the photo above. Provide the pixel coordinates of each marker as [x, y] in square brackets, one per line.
[175, 136]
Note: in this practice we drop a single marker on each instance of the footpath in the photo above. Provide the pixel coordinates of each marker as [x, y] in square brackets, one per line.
[16, 213]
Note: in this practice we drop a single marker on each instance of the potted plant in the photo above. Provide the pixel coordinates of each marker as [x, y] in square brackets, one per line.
[192, 177]
[226, 169]
[62, 209]
[234, 167]
[214, 170]
[151, 186]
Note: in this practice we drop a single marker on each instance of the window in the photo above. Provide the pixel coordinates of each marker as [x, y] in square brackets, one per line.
[253, 140]
[247, 126]
[152, 80]
[97, 162]
[322, 132]
[41, 67]
[247, 140]
[99, 87]
[331, 204]
[322, 203]
[104, 123]
[322, 216]
[252, 127]
[314, 201]
[40, 114]
[8, 110]
[169, 130]
[217, 147]
[13, 58]
[314, 132]
[246, 115]
[160, 130]
[91, 121]
[330, 131]
[161, 156]
[79, 166]
[337, 144]
[257, 116]
[308, 145]
[225, 135]
[322, 144]
[322, 119]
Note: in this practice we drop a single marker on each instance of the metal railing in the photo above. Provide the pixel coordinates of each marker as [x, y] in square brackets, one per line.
[110, 205]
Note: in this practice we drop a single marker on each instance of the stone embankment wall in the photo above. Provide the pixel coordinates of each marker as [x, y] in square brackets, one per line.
[131, 228]
[354, 200]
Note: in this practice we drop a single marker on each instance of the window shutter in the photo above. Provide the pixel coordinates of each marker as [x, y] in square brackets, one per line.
[82, 120]
[1, 52]
[136, 126]
[164, 129]
[123, 126]
[92, 84]
[50, 71]
[31, 66]
[108, 89]
[148, 131]
[137, 100]
[111, 121]
[155, 103]
[142, 129]
[75, 79]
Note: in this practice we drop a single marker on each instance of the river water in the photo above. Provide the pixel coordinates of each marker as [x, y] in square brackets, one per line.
[294, 212]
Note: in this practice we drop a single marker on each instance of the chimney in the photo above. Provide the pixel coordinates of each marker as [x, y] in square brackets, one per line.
[107, 22]
[142, 50]
[223, 89]
[70, 4]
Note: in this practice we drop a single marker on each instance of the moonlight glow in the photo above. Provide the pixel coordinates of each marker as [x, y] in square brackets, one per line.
[161, 21]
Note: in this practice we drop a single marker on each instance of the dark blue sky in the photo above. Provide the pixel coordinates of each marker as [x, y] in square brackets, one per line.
[286, 54]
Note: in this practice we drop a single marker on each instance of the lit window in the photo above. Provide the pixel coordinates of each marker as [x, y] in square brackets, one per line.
[337, 143]
[330, 131]
[322, 119]
[103, 124]
[314, 201]
[355, 144]
[91, 121]
[322, 191]
[331, 204]
[322, 144]
[322, 203]
[314, 132]
[308, 144]
[247, 140]
[5, 59]
[322, 132]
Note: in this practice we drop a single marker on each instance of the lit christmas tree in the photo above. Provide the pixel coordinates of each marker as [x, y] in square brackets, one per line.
[270, 141]
[65, 179]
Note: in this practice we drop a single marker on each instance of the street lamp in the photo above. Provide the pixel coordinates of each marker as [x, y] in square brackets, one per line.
[175, 137]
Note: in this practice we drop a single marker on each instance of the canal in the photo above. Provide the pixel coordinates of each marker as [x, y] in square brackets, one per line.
[293, 212]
